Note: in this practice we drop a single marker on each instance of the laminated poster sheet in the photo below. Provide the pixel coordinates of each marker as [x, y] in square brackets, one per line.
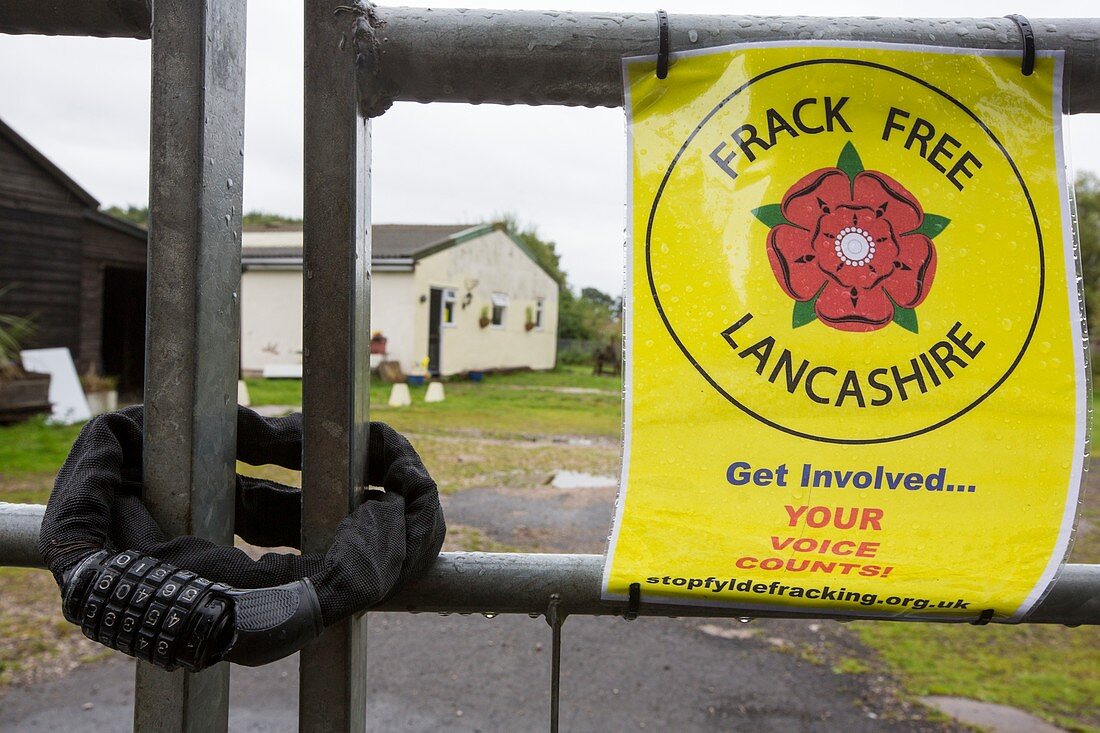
[855, 360]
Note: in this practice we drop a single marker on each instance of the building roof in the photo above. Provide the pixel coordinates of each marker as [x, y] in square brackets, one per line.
[407, 242]
[394, 247]
[91, 212]
[46, 164]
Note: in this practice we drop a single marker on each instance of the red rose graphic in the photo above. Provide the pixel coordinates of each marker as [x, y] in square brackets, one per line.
[855, 245]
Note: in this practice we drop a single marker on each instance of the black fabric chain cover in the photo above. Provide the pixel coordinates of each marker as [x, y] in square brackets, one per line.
[392, 536]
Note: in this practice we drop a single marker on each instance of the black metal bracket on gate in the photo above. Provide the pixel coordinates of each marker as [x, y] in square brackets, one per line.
[1027, 36]
[662, 44]
[983, 618]
[634, 601]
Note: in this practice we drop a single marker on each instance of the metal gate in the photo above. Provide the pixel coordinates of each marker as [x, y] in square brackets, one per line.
[358, 60]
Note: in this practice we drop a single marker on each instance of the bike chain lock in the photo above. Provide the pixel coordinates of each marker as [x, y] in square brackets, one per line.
[173, 618]
[185, 602]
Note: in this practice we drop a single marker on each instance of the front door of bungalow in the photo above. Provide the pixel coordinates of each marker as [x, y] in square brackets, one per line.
[435, 328]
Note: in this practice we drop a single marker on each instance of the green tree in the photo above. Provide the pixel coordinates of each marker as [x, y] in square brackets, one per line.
[1088, 224]
[591, 317]
[1088, 227]
[545, 251]
[599, 297]
[134, 214]
[251, 220]
[263, 220]
[571, 320]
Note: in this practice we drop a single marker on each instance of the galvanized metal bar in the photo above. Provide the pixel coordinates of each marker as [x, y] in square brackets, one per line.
[528, 57]
[103, 18]
[482, 582]
[555, 618]
[488, 582]
[193, 323]
[19, 526]
[336, 322]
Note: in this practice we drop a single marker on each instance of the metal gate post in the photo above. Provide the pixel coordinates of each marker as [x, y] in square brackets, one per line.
[336, 320]
[192, 352]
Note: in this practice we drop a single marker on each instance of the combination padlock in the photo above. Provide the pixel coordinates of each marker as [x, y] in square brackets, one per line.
[173, 618]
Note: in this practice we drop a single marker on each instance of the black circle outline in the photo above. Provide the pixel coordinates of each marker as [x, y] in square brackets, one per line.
[731, 398]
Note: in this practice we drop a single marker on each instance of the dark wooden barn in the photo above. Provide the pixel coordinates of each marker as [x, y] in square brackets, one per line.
[80, 273]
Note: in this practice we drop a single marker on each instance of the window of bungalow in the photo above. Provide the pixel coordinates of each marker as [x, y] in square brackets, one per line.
[449, 299]
[500, 305]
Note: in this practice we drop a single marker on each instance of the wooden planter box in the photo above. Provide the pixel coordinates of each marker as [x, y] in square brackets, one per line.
[20, 398]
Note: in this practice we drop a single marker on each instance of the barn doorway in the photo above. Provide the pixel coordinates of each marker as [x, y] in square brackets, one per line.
[123, 337]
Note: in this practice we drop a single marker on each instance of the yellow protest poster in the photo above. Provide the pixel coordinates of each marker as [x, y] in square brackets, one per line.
[855, 364]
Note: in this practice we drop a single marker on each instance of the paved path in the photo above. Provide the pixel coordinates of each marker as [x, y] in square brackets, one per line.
[474, 674]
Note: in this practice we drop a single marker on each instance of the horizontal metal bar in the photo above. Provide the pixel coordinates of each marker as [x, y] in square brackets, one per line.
[19, 525]
[489, 582]
[103, 18]
[527, 57]
[483, 582]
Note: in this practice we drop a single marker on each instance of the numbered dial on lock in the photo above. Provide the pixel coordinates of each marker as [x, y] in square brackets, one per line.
[150, 609]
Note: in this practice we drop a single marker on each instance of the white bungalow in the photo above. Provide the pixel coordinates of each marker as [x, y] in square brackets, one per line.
[467, 298]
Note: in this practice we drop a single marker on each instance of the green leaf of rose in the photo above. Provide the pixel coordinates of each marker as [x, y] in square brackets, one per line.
[804, 309]
[933, 225]
[803, 313]
[905, 317]
[770, 215]
[849, 161]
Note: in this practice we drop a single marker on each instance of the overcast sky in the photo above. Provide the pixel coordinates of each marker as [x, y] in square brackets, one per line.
[85, 104]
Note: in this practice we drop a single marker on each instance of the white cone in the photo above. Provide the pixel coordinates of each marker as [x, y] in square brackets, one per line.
[399, 395]
[435, 392]
[242, 394]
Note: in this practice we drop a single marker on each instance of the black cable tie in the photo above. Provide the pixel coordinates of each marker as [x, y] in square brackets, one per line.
[662, 44]
[983, 618]
[1027, 35]
[633, 602]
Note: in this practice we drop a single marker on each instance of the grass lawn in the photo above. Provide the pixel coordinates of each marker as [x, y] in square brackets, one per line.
[34, 447]
[1049, 671]
[496, 432]
[524, 403]
[30, 454]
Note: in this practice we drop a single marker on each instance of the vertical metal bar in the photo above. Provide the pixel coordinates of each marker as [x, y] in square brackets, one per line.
[193, 318]
[555, 618]
[336, 342]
